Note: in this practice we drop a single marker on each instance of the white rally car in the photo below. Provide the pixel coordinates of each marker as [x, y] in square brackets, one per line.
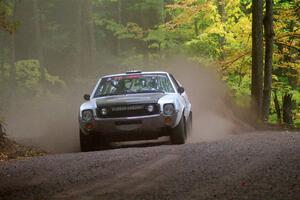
[134, 106]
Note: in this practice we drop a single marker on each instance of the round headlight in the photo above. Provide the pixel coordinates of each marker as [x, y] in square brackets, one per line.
[150, 108]
[169, 109]
[104, 111]
[87, 115]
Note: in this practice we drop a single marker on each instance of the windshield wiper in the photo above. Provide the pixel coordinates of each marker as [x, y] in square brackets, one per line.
[151, 91]
[105, 95]
[158, 90]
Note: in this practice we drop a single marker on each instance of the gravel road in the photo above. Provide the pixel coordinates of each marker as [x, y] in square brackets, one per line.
[262, 165]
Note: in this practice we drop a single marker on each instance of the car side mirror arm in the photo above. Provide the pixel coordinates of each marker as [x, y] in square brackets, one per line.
[87, 97]
[181, 90]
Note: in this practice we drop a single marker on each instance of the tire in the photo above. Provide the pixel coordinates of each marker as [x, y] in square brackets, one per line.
[102, 144]
[178, 134]
[189, 126]
[86, 142]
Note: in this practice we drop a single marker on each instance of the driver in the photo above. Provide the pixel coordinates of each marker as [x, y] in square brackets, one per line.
[121, 88]
[152, 84]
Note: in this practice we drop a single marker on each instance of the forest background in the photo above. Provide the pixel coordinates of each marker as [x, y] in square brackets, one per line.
[51, 48]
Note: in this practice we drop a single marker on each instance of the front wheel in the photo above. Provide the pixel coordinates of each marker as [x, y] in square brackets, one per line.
[178, 134]
[189, 124]
[86, 142]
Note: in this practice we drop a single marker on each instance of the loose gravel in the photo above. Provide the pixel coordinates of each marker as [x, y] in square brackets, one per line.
[260, 165]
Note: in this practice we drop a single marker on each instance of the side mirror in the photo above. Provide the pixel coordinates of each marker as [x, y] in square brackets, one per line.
[87, 97]
[181, 90]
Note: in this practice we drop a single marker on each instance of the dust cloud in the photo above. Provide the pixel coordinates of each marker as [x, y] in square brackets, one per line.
[51, 123]
[45, 123]
[215, 115]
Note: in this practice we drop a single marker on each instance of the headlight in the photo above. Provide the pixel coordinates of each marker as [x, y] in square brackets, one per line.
[104, 111]
[169, 109]
[87, 115]
[150, 108]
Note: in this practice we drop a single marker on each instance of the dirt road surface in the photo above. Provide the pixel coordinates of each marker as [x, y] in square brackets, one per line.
[262, 165]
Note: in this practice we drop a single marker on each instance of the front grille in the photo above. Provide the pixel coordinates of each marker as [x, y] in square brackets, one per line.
[127, 110]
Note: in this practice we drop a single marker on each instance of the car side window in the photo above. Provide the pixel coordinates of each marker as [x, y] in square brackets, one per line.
[177, 86]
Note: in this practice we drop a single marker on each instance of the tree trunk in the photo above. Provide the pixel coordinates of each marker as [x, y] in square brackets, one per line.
[2, 131]
[287, 109]
[2, 77]
[79, 33]
[38, 36]
[87, 38]
[1, 55]
[120, 22]
[162, 12]
[13, 70]
[196, 27]
[277, 108]
[12, 73]
[257, 56]
[269, 34]
[222, 13]
[91, 34]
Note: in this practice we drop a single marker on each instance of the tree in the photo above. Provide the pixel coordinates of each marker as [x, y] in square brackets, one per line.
[40, 51]
[7, 24]
[87, 43]
[286, 69]
[222, 13]
[257, 55]
[287, 109]
[120, 22]
[104, 33]
[1, 55]
[12, 82]
[2, 130]
[277, 107]
[269, 34]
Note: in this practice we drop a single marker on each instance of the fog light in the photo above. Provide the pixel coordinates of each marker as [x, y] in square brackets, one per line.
[89, 126]
[168, 121]
[150, 108]
[104, 111]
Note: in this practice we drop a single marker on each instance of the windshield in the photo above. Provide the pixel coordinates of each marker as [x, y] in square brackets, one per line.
[133, 84]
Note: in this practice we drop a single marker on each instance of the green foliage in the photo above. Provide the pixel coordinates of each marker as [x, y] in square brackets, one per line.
[28, 76]
[205, 45]
[6, 12]
[130, 31]
[240, 86]
[233, 55]
[28, 79]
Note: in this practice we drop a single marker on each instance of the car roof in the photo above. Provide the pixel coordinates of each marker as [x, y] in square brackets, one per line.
[132, 72]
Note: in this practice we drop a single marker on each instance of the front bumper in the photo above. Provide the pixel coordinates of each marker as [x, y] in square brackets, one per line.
[152, 125]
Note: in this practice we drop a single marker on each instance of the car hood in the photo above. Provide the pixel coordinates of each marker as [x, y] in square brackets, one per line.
[129, 99]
